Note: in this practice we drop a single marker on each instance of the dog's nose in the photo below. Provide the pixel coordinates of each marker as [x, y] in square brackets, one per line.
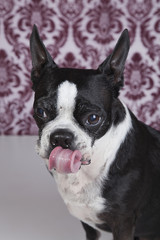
[61, 137]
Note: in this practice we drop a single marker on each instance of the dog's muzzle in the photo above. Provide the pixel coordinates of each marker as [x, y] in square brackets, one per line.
[62, 158]
[62, 137]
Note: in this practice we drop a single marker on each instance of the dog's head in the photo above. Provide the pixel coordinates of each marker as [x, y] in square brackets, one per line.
[75, 108]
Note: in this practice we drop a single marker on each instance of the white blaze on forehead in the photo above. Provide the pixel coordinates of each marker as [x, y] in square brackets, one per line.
[66, 100]
[67, 93]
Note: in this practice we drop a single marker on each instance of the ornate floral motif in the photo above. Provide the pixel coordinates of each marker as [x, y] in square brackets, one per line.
[139, 78]
[157, 23]
[78, 33]
[27, 125]
[71, 9]
[5, 7]
[70, 61]
[139, 9]
[104, 21]
[36, 12]
[9, 78]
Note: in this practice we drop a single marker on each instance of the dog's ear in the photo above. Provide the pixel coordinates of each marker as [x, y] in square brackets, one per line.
[114, 64]
[40, 55]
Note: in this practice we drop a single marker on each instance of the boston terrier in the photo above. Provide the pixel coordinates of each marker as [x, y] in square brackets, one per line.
[106, 163]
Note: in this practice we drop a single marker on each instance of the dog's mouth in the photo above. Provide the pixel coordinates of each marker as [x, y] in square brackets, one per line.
[66, 161]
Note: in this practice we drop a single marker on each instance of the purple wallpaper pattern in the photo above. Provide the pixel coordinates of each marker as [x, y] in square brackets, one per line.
[79, 34]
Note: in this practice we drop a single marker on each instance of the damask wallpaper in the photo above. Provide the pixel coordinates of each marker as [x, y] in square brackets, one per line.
[78, 33]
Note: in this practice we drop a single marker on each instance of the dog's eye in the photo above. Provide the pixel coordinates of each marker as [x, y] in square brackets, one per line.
[41, 113]
[93, 119]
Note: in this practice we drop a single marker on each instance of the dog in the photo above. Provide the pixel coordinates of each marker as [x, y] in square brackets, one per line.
[106, 163]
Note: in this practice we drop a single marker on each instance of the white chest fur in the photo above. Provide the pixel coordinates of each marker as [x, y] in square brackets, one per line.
[82, 195]
[82, 192]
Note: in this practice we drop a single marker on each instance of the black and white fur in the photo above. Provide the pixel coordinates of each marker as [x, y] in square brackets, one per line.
[119, 189]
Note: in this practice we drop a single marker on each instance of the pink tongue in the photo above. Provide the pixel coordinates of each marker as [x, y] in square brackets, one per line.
[65, 160]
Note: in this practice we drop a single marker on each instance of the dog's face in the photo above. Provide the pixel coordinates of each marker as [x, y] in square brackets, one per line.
[74, 108]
